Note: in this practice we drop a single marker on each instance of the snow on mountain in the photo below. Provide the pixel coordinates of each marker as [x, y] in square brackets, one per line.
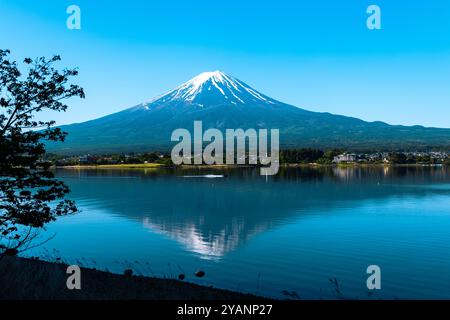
[212, 88]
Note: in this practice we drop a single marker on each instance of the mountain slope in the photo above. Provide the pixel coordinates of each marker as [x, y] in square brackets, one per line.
[224, 102]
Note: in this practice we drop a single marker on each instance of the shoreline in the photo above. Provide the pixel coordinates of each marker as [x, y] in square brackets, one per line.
[114, 166]
[32, 279]
[234, 166]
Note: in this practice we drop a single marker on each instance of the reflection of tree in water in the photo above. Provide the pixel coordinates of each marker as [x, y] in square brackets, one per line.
[214, 216]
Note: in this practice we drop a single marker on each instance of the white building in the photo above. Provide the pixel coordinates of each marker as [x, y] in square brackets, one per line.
[351, 157]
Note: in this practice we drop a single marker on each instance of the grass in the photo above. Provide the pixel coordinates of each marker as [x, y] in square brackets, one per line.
[29, 279]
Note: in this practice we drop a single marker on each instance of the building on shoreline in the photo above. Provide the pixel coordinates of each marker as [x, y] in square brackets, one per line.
[345, 157]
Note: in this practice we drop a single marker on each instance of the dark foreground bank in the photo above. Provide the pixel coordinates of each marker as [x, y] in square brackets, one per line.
[25, 279]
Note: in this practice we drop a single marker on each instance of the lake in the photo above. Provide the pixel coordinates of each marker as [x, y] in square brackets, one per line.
[284, 236]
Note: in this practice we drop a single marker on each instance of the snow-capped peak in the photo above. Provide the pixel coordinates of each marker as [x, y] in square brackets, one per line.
[205, 76]
[212, 88]
[189, 90]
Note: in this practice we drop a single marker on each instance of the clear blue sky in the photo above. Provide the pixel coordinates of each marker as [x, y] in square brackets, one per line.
[317, 55]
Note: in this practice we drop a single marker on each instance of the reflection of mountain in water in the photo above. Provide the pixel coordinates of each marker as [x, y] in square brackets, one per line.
[214, 216]
[207, 247]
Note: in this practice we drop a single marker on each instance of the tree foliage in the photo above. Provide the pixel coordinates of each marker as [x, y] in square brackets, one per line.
[305, 155]
[30, 195]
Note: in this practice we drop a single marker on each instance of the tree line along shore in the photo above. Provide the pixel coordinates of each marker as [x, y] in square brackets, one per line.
[303, 156]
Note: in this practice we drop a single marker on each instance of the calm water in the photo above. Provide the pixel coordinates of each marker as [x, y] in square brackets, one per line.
[292, 232]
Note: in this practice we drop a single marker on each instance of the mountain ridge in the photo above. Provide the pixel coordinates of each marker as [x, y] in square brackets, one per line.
[224, 102]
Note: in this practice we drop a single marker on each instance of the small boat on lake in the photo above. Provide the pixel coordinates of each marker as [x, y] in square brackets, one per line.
[207, 176]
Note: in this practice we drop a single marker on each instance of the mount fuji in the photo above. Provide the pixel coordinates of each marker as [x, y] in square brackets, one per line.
[224, 102]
